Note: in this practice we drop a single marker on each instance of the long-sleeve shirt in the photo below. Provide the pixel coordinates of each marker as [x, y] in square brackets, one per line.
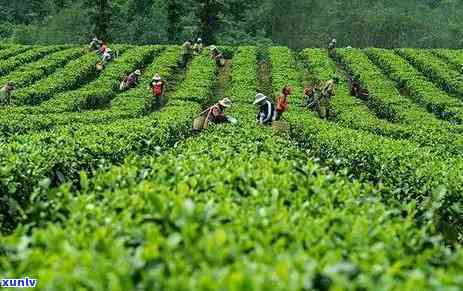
[132, 79]
[310, 97]
[355, 88]
[198, 47]
[329, 88]
[216, 115]
[5, 93]
[266, 113]
[186, 48]
[95, 44]
[106, 57]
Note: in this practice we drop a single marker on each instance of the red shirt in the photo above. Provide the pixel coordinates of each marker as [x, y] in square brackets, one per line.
[282, 103]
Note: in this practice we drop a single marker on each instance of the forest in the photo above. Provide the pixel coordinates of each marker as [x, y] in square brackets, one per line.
[295, 23]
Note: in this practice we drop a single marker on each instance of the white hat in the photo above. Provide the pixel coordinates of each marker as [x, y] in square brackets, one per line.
[199, 39]
[157, 77]
[137, 72]
[226, 102]
[259, 98]
[334, 40]
[213, 47]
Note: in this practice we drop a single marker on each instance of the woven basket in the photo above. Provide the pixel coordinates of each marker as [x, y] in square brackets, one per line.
[280, 127]
[200, 123]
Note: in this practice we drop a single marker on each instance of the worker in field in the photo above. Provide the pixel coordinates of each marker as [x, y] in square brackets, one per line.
[130, 81]
[332, 47]
[330, 86]
[157, 86]
[187, 51]
[5, 93]
[95, 44]
[217, 56]
[266, 113]
[282, 103]
[322, 105]
[323, 102]
[216, 113]
[356, 88]
[103, 47]
[106, 56]
[198, 47]
[311, 95]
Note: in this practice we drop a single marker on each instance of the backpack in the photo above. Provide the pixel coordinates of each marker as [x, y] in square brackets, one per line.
[157, 89]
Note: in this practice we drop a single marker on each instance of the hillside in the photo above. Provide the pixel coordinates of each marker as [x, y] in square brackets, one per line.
[98, 193]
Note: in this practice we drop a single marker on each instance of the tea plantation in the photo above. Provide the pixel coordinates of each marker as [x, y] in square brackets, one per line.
[97, 193]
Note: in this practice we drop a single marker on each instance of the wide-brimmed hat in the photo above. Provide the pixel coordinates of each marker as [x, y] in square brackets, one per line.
[137, 72]
[199, 39]
[213, 47]
[157, 77]
[226, 102]
[259, 98]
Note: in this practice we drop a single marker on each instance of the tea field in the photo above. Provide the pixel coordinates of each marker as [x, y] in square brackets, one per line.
[97, 193]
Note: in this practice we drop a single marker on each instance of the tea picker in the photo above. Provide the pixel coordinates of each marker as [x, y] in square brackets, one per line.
[324, 99]
[107, 55]
[282, 103]
[5, 93]
[332, 47]
[217, 56]
[95, 44]
[214, 114]
[157, 87]
[266, 113]
[356, 88]
[187, 51]
[130, 81]
[311, 94]
[198, 47]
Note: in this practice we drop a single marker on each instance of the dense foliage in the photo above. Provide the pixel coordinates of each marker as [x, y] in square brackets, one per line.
[97, 192]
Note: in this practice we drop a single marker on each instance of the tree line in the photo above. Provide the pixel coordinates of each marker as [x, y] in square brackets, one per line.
[295, 23]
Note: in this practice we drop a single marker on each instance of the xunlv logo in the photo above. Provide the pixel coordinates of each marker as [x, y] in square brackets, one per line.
[19, 283]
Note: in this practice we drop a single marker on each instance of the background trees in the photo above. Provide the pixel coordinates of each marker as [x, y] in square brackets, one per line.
[296, 23]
